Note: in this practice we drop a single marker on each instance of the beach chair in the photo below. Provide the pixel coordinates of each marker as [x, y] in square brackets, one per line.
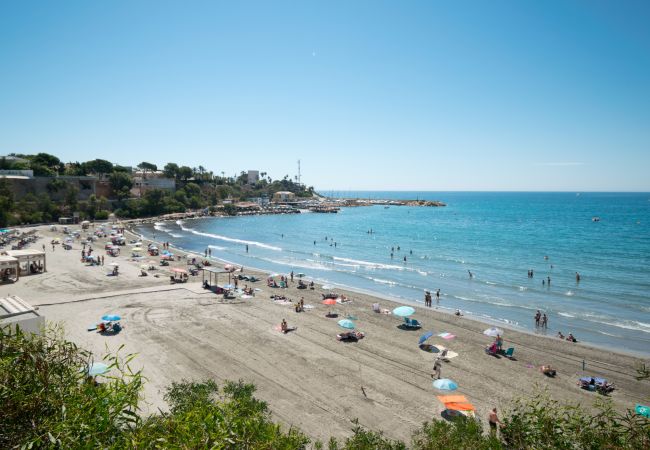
[415, 324]
[509, 352]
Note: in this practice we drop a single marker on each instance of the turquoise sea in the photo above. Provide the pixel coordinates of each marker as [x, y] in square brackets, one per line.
[496, 236]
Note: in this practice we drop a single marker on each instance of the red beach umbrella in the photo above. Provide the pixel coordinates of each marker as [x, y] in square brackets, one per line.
[329, 302]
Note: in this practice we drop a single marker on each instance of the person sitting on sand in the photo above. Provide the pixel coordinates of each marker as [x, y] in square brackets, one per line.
[458, 313]
[560, 335]
[311, 285]
[283, 326]
[548, 370]
[571, 338]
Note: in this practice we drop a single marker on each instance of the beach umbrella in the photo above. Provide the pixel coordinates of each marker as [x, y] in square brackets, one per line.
[96, 369]
[111, 317]
[429, 348]
[329, 302]
[404, 311]
[493, 332]
[425, 336]
[445, 384]
[345, 323]
[642, 410]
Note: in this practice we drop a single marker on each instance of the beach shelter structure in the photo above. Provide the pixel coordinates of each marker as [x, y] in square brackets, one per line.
[15, 312]
[30, 260]
[211, 272]
[346, 323]
[9, 268]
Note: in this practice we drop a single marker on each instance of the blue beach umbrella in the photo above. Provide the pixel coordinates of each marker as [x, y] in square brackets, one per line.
[642, 410]
[345, 323]
[404, 311]
[445, 384]
[425, 336]
[97, 369]
[111, 317]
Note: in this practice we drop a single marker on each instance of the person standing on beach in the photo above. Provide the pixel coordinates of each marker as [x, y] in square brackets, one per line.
[437, 366]
[206, 252]
[247, 246]
[209, 252]
[548, 281]
[493, 420]
[545, 321]
[471, 275]
[292, 276]
[438, 297]
[538, 316]
[577, 277]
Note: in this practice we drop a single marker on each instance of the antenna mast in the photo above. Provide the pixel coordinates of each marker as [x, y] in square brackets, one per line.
[298, 172]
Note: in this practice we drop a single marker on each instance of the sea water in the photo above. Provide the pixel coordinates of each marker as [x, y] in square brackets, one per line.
[496, 236]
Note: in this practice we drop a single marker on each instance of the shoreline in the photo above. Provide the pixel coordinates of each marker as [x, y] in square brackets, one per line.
[410, 302]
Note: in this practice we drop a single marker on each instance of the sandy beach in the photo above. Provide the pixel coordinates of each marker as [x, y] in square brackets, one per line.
[309, 379]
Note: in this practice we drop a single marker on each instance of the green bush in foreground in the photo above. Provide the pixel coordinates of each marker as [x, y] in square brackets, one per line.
[48, 402]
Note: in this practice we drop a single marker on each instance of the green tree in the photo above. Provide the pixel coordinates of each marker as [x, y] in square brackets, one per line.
[185, 173]
[171, 170]
[6, 202]
[99, 166]
[147, 167]
[121, 184]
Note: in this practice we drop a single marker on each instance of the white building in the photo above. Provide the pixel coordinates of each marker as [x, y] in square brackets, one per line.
[253, 176]
[283, 197]
[143, 182]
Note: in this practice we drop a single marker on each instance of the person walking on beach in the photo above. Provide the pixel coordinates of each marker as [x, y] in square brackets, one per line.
[292, 276]
[494, 421]
[544, 321]
[437, 366]
[427, 298]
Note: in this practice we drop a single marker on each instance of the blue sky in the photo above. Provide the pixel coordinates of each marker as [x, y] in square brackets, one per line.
[432, 95]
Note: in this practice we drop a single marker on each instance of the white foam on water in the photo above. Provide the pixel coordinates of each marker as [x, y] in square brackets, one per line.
[216, 247]
[569, 293]
[227, 239]
[368, 264]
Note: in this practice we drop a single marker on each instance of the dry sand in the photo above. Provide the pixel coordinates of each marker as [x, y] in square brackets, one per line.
[309, 379]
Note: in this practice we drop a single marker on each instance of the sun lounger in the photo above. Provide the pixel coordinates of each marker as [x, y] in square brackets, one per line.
[411, 323]
[509, 352]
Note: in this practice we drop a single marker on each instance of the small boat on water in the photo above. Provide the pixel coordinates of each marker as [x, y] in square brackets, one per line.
[595, 219]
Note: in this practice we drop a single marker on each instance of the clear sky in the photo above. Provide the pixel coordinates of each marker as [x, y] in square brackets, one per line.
[400, 95]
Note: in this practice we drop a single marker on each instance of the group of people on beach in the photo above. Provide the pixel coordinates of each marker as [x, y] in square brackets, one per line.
[428, 298]
[541, 320]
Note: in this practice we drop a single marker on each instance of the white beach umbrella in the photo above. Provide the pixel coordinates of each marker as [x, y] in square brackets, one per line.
[493, 332]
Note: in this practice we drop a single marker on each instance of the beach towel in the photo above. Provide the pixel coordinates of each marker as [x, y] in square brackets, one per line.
[447, 336]
[452, 398]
